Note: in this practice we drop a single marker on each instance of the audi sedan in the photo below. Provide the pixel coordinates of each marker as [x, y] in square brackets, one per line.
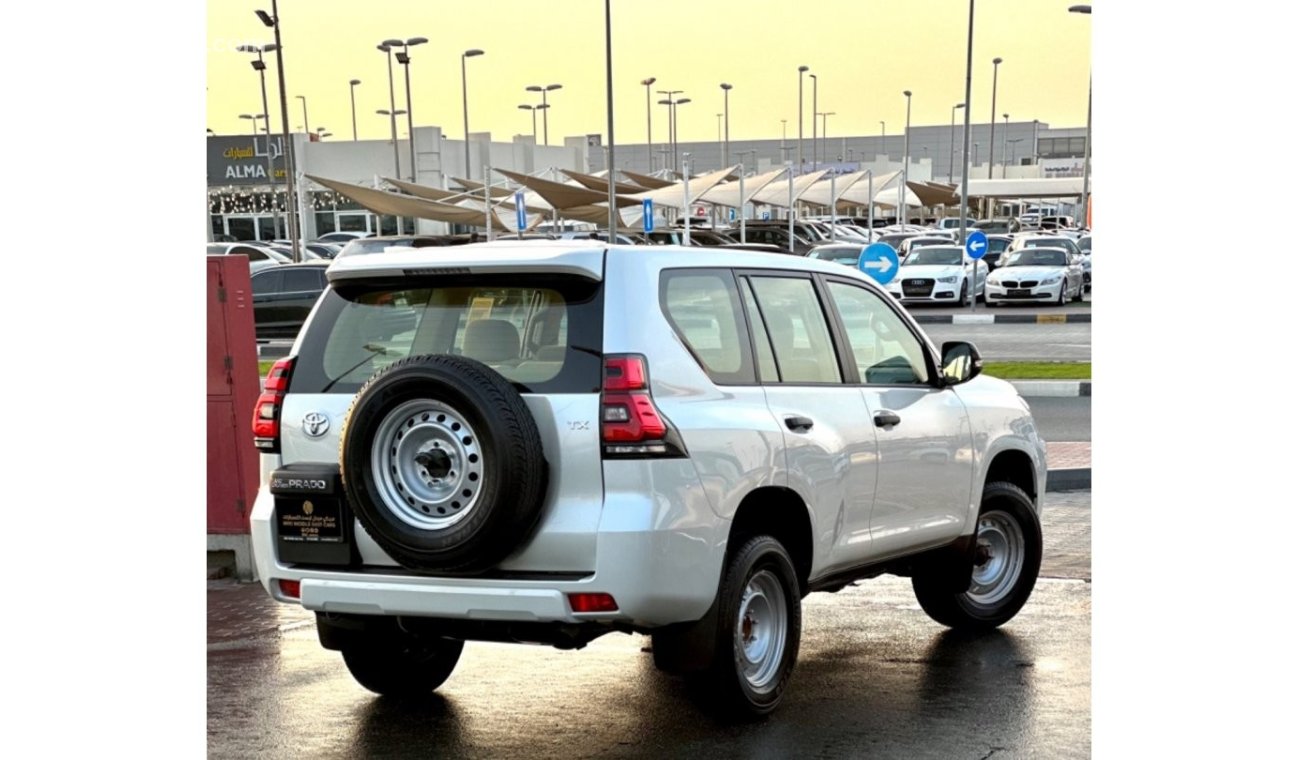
[1036, 274]
[932, 274]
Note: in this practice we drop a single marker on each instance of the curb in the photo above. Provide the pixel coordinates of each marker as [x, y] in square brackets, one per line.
[1074, 479]
[1052, 388]
[1001, 319]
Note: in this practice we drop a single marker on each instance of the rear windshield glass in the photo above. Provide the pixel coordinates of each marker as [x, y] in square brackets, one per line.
[541, 333]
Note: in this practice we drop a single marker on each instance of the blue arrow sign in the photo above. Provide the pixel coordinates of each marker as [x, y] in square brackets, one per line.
[647, 215]
[977, 244]
[521, 219]
[879, 261]
[733, 215]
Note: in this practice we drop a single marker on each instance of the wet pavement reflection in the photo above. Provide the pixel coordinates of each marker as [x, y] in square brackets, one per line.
[876, 677]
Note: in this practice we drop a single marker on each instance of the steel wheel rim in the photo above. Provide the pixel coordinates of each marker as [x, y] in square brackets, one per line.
[428, 464]
[1001, 544]
[761, 629]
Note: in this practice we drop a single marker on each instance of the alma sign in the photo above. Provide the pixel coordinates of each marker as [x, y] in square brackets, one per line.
[242, 160]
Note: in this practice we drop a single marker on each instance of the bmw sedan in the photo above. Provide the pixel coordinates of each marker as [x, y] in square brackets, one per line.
[932, 274]
[1036, 274]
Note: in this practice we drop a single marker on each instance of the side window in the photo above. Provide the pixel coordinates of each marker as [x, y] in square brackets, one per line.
[266, 282]
[301, 280]
[884, 350]
[762, 341]
[801, 340]
[252, 253]
[703, 307]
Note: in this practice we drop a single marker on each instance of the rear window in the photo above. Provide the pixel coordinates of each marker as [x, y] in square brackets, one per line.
[542, 333]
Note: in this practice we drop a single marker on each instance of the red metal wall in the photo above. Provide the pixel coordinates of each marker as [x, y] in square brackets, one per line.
[233, 385]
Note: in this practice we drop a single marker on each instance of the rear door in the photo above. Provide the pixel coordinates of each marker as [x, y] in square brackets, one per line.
[830, 442]
[543, 332]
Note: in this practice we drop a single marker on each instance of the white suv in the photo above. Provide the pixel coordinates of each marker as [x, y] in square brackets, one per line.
[550, 441]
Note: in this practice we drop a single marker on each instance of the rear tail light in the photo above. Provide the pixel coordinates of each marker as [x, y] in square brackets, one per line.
[630, 424]
[291, 589]
[591, 603]
[266, 412]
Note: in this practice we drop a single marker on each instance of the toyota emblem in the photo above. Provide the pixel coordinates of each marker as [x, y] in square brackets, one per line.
[315, 424]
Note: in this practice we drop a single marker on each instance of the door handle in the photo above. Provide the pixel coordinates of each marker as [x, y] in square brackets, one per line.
[886, 418]
[799, 424]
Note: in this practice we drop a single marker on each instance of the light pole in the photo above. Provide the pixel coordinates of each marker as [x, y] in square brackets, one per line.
[546, 130]
[386, 47]
[609, 116]
[464, 94]
[814, 121]
[672, 122]
[825, 156]
[783, 139]
[721, 158]
[802, 70]
[907, 148]
[726, 124]
[952, 135]
[404, 58]
[1087, 135]
[1006, 128]
[534, 109]
[352, 91]
[965, 140]
[882, 142]
[649, 137]
[273, 22]
[306, 125]
[993, 117]
[1013, 155]
[260, 67]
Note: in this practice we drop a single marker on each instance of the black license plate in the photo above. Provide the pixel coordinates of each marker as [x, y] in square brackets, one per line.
[1018, 292]
[310, 521]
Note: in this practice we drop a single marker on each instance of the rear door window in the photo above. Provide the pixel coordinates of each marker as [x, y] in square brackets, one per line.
[266, 282]
[543, 333]
[703, 307]
[796, 324]
[300, 281]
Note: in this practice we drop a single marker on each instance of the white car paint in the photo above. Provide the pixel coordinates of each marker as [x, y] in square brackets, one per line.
[947, 279]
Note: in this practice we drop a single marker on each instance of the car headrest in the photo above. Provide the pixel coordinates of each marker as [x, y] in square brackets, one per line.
[491, 340]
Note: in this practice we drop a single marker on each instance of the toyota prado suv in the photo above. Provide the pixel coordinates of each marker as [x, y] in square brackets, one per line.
[546, 442]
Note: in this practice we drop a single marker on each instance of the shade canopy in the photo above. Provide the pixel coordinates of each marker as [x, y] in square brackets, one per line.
[728, 194]
[384, 202]
[778, 193]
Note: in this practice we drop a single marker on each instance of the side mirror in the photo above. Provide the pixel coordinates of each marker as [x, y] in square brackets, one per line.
[961, 362]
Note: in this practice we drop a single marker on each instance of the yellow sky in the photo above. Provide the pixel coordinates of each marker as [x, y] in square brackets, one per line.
[865, 52]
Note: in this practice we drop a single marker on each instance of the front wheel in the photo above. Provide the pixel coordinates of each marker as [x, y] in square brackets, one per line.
[1008, 552]
[963, 300]
[757, 636]
[399, 667]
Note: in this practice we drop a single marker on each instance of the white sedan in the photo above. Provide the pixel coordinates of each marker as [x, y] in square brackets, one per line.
[1036, 274]
[931, 275]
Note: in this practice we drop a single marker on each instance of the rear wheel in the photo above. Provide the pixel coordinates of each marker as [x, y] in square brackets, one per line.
[757, 632]
[1078, 294]
[1009, 550]
[399, 666]
[964, 299]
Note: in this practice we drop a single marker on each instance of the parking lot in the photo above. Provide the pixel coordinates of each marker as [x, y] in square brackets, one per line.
[876, 677]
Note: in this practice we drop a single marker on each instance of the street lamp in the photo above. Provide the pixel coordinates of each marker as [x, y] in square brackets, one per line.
[678, 102]
[534, 109]
[993, 117]
[272, 21]
[649, 138]
[306, 125]
[907, 148]
[352, 91]
[672, 121]
[719, 115]
[464, 93]
[825, 157]
[814, 121]
[952, 134]
[802, 70]
[386, 47]
[965, 135]
[260, 67]
[404, 58]
[1006, 129]
[726, 121]
[546, 132]
[1087, 135]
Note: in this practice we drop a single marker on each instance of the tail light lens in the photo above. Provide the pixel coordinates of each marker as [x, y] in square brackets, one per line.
[630, 424]
[592, 603]
[266, 412]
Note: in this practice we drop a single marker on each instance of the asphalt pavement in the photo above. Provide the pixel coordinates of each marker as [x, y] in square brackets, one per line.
[876, 677]
[1063, 419]
[1048, 342]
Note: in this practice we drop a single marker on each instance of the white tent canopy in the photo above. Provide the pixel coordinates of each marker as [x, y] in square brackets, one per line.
[728, 193]
[778, 193]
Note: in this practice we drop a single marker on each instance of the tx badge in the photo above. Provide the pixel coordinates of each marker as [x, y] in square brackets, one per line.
[315, 424]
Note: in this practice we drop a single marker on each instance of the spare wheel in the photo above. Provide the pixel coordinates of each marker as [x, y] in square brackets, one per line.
[442, 464]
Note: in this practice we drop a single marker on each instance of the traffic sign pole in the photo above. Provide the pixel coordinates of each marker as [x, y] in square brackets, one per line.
[647, 216]
[976, 246]
[521, 218]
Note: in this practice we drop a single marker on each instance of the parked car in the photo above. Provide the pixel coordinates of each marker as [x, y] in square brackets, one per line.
[550, 443]
[998, 245]
[994, 226]
[596, 235]
[778, 237]
[361, 246]
[1085, 248]
[259, 257]
[905, 247]
[840, 253]
[804, 230]
[953, 224]
[1036, 274]
[284, 296]
[1044, 241]
[931, 275]
[895, 239]
[343, 238]
[321, 250]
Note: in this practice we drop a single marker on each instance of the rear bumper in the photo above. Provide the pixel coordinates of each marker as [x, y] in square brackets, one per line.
[658, 575]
